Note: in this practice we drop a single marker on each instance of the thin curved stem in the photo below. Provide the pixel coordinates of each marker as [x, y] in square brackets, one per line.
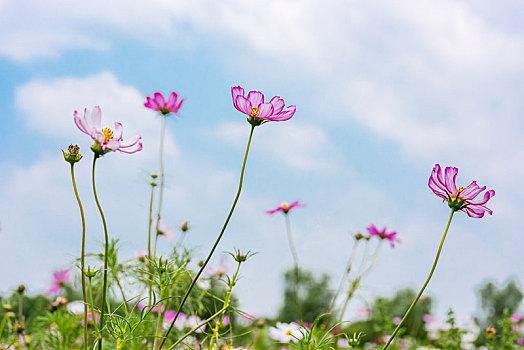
[295, 263]
[344, 277]
[425, 284]
[106, 252]
[82, 253]
[150, 222]
[217, 240]
[162, 175]
[93, 315]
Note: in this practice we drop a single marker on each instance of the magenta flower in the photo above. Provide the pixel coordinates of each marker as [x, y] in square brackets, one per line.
[106, 139]
[153, 309]
[383, 234]
[459, 198]
[285, 208]
[259, 112]
[159, 104]
[60, 278]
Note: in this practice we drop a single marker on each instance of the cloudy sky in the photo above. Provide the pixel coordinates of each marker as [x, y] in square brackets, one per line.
[384, 90]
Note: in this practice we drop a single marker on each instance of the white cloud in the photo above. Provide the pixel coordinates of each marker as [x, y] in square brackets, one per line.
[303, 147]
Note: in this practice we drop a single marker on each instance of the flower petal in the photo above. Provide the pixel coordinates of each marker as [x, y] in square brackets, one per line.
[278, 104]
[173, 97]
[81, 123]
[159, 99]
[284, 115]
[450, 176]
[131, 145]
[471, 191]
[117, 135]
[256, 98]
[235, 92]
[94, 118]
[243, 105]
[486, 198]
[112, 144]
[265, 110]
[151, 104]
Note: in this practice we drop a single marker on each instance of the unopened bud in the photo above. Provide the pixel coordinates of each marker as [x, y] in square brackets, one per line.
[185, 226]
[19, 327]
[358, 236]
[7, 307]
[490, 332]
[72, 154]
[20, 289]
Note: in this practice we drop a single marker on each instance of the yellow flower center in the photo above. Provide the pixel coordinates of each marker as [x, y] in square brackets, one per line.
[285, 206]
[460, 189]
[254, 111]
[108, 134]
[289, 332]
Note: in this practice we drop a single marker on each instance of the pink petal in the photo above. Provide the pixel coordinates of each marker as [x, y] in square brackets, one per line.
[235, 92]
[451, 175]
[436, 178]
[474, 212]
[265, 110]
[471, 191]
[117, 135]
[151, 104]
[131, 145]
[278, 104]
[486, 198]
[286, 114]
[81, 123]
[112, 145]
[244, 105]
[94, 118]
[173, 97]
[177, 106]
[159, 99]
[256, 98]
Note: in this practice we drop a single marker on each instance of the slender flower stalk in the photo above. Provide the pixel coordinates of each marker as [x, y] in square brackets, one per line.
[162, 175]
[150, 222]
[216, 241]
[92, 305]
[423, 286]
[72, 156]
[295, 266]
[106, 252]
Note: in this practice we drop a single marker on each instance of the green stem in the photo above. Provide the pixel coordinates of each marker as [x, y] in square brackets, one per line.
[82, 253]
[159, 321]
[106, 252]
[425, 284]
[20, 307]
[217, 240]
[117, 280]
[4, 320]
[149, 238]
[295, 263]
[161, 193]
[344, 277]
[92, 304]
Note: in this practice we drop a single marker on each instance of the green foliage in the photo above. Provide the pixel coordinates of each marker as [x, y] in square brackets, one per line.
[451, 339]
[314, 296]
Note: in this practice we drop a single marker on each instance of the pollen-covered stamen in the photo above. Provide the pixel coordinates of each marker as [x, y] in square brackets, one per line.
[108, 134]
[460, 189]
[288, 332]
[254, 111]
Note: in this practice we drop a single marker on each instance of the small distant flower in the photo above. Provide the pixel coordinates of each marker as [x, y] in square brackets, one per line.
[383, 234]
[286, 332]
[90, 316]
[459, 198]
[53, 306]
[60, 278]
[185, 226]
[106, 139]
[153, 309]
[203, 283]
[159, 104]
[169, 316]
[193, 321]
[285, 208]
[164, 230]
[76, 307]
[141, 254]
[20, 289]
[396, 320]
[221, 269]
[259, 112]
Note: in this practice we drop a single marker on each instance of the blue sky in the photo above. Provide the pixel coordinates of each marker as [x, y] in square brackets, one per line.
[383, 90]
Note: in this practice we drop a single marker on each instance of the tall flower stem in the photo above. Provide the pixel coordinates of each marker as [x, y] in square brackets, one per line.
[162, 175]
[295, 264]
[82, 253]
[217, 240]
[106, 252]
[92, 305]
[425, 284]
[159, 321]
[4, 320]
[344, 277]
[153, 184]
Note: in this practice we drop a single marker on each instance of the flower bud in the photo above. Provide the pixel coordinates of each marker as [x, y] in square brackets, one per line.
[72, 154]
[10, 314]
[358, 236]
[20, 289]
[19, 327]
[7, 307]
[490, 332]
[89, 272]
[185, 226]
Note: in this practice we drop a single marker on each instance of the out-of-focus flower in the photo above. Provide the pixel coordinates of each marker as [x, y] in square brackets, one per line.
[163, 230]
[257, 111]
[154, 309]
[383, 234]
[141, 254]
[180, 321]
[185, 226]
[286, 332]
[106, 139]
[459, 198]
[60, 278]
[193, 321]
[159, 104]
[20, 289]
[218, 270]
[203, 283]
[53, 306]
[76, 307]
[285, 208]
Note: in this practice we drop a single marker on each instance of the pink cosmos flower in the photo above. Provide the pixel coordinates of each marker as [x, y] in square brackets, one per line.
[257, 111]
[285, 208]
[106, 139]
[153, 309]
[164, 230]
[383, 234]
[159, 104]
[60, 278]
[459, 198]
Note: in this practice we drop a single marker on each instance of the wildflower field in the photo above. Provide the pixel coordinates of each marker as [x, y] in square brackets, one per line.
[261, 175]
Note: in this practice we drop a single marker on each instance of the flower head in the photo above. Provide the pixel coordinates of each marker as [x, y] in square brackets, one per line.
[106, 139]
[72, 155]
[163, 229]
[286, 332]
[285, 208]
[159, 104]
[60, 278]
[257, 111]
[459, 198]
[383, 234]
